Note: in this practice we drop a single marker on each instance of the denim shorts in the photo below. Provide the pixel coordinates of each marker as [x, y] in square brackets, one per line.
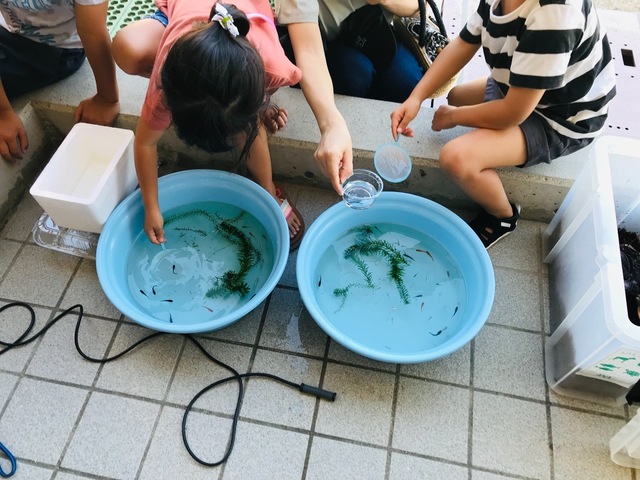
[543, 142]
[159, 16]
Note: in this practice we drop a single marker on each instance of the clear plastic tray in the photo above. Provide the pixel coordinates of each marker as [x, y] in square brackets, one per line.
[74, 242]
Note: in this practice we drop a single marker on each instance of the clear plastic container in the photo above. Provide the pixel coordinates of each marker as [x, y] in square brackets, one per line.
[594, 349]
[625, 445]
[361, 189]
[66, 240]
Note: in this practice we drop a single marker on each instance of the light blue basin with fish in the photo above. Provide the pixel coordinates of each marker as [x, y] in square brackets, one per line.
[405, 281]
[227, 247]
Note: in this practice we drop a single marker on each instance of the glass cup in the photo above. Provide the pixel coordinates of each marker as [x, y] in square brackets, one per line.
[361, 189]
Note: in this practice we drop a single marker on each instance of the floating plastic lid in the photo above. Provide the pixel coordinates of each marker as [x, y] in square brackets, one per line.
[392, 162]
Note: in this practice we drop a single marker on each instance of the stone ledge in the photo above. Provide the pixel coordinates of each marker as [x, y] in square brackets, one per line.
[539, 189]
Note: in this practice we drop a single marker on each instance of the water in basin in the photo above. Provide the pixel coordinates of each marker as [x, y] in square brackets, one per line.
[216, 258]
[391, 287]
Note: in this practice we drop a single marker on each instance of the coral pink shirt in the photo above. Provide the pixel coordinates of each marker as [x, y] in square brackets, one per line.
[262, 35]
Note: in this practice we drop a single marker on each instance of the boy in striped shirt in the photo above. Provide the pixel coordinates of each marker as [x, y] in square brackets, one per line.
[551, 80]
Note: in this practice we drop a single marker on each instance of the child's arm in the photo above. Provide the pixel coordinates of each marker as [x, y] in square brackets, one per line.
[509, 111]
[447, 64]
[334, 153]
[402, 8]
[145, 153]
[13, 136]
[91, 23]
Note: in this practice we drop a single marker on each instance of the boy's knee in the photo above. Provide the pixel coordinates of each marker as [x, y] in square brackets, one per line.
[454, 97]
[452, 161]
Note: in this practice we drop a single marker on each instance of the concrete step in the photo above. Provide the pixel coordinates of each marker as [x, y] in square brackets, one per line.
[48, 116]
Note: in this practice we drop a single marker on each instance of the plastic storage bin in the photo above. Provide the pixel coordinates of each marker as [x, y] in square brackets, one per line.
[625, 445]
[594, 349]
[88, 175]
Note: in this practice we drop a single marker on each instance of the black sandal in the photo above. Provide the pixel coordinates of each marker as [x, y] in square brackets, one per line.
[490, 229]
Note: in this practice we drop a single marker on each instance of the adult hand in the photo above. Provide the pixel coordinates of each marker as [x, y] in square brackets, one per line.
[334, 154]
[98, 111]
[443, 118]
[153, 225]
[402, 116]
[13, 136]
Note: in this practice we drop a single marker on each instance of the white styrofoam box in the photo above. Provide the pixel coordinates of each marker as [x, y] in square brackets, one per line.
[88, 176]
[625, 445]
[594, 349]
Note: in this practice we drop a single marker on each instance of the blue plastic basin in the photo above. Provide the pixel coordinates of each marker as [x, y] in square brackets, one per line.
[445, 298]
[180, 190]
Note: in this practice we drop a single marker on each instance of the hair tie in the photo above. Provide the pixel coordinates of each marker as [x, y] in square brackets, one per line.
[225, 20]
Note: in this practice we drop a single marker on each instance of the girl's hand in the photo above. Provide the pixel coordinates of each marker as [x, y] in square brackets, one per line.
[153, 223]
[443, 118]
[402, 116]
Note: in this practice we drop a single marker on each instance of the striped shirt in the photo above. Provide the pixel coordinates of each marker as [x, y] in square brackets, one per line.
[552, 45]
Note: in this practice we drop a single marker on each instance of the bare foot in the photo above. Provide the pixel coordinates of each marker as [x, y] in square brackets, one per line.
[274, 118]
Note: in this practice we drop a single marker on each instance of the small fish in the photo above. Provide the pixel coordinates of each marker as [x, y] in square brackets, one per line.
[144, 293]
[170, 318]
[153, 289]
[211, 310]
[167, 300]
[425, 251]
[252, 235]
[173, 269]
[438, 332]
[408, 256]
[418, 296]
[448, 274]
[421, 306]
[320, 281]
[455, 311]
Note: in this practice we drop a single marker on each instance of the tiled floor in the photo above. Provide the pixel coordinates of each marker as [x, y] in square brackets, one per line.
[483, 413]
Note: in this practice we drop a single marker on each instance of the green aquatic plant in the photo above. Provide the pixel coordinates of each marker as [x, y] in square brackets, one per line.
[343, 293]
[367, 245]
[232, 281]
[202, 233]
[353, 253]
[191, 213]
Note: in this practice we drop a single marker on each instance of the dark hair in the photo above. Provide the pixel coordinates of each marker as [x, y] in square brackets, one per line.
[214, 85]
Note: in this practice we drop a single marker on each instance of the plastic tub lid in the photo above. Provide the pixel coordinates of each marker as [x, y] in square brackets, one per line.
[392, 162]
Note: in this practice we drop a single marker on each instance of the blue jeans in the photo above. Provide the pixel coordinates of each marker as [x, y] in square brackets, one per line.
[26, 65]
[354, 74]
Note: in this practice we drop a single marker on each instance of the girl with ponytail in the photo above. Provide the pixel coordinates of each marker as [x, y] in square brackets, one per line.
[212, 69]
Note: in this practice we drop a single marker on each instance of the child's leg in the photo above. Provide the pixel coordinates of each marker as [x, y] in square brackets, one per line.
[470, 161]
[26, 65]
[352, 72]
[259, 166]
[135, 46]
[468, 93]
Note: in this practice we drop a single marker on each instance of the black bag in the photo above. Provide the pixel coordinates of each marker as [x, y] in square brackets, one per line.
[368, 30]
